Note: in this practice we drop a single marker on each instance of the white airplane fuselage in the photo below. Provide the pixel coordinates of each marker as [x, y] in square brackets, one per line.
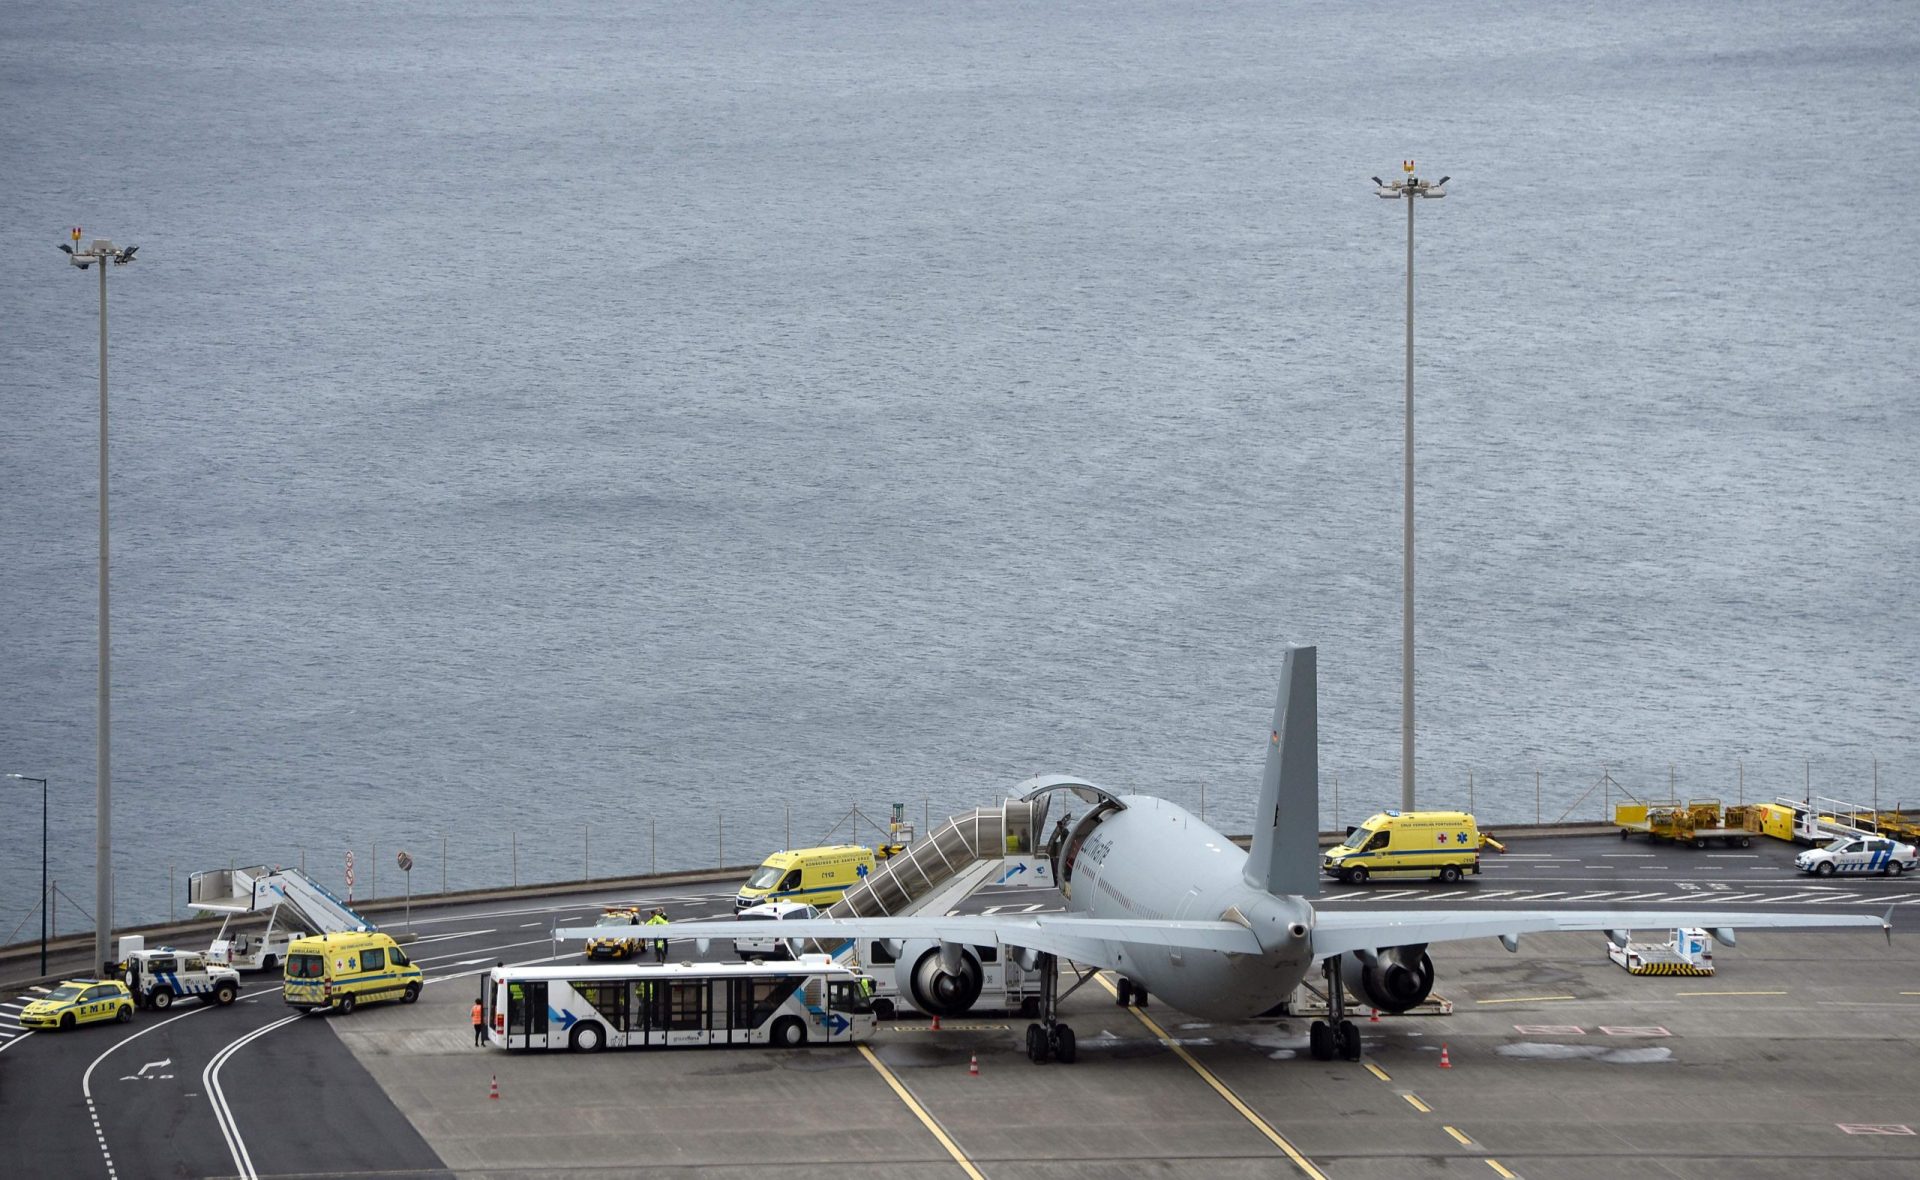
[1156, 860]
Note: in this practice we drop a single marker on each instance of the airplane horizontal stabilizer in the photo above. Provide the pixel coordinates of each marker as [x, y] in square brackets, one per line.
[1372, 930]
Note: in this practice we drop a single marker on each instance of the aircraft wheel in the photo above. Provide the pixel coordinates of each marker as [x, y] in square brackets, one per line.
[161, 1000]
[1139, 997]
[1825, 869]
[1348, 1040]
[1123, 992]
[1064, 1049]
[1320, 1041]
[1036, 1043]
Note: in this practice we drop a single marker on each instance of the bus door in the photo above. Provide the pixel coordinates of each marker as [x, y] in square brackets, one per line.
[527, 1014]
[686, 1014]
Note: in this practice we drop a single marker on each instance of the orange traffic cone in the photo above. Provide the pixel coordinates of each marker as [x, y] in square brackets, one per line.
[973, 1066]
[935, 1027]
[1444, 1063]
[493, 1091]
[1375, 1018]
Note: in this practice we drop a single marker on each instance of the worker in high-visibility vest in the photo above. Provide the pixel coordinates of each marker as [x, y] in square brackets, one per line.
[659, 918]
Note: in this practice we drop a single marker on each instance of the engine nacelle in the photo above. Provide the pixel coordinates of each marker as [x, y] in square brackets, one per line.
[937, 983]
[1396, 979]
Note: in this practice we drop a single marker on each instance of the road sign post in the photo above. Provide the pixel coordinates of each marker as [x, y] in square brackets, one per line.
[406, 866]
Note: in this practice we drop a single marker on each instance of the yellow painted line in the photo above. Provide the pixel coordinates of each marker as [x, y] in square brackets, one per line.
[1910, 993]
[926, 1119]
[1220, 1088]
[1495, 1165]
[1526, 1000]
[1418, 1105]
[1458, 1137]
[1729, 993]
[1376, 1071]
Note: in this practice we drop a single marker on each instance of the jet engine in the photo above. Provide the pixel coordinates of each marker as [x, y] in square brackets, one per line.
[941, 979]
[1394, 980]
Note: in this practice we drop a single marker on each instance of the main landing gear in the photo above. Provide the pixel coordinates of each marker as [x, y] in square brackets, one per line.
[1049, 1039]
[1336, 1036]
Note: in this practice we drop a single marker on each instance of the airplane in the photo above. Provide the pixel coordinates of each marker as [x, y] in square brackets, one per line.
[1174, 908]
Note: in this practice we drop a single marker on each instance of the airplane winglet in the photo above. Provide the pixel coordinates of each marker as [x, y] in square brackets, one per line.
[1285, 856]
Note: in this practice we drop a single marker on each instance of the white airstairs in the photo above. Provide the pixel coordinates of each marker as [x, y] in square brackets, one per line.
[265, 889]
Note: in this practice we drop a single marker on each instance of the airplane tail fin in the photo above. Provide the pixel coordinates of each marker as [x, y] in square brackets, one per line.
[1285, 857]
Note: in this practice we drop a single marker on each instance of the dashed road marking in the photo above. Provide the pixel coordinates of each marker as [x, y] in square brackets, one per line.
[1418, 1105]
[1527, 1000]
[1458, 1137]
[1376, 1071]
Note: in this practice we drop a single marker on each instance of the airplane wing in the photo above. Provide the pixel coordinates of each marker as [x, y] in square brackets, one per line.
[1372, 930]
[1093, 942]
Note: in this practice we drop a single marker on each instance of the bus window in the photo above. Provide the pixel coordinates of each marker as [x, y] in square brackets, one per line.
[608, 999]
[843, 995]
[687, 1005]
[756, 999]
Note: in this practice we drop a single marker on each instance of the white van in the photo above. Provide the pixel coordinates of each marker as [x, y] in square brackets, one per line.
[770, 946]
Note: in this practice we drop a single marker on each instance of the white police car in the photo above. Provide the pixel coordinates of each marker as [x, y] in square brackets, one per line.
[1859, 854]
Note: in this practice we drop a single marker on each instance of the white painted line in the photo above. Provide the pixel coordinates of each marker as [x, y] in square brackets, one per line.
[1647, 855]
[1542, 896]
[459, 934]
[1735, 855]
[1397, 893]
[1591, 896]
[502, 947]
[222, 1113]
[14, 1004]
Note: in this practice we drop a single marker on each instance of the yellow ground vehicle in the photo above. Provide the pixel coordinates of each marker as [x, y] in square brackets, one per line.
[340, 970]
[817, 876]
[80, 1001]
[622, 940]
[1443, 844]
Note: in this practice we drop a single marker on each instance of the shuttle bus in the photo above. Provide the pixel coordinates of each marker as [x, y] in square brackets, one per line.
[586, 1007]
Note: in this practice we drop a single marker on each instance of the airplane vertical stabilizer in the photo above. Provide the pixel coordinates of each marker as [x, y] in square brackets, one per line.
[1285, 857]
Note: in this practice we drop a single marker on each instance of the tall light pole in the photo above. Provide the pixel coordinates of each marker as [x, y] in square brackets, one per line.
[102, 251]
[43, 864]
[1407, 190]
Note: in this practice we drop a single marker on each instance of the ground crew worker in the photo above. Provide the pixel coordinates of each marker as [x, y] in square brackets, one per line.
[866, 987]
[659, 918]
[479, 1024]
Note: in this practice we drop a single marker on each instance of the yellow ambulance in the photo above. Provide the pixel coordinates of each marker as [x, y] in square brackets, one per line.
[817, 876]
[1442, 844]
[338, 971]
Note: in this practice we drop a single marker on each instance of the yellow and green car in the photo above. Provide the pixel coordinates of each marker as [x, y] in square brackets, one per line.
[80, 1001]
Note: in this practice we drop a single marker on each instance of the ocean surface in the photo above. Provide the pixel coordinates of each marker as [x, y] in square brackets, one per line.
[586, 434]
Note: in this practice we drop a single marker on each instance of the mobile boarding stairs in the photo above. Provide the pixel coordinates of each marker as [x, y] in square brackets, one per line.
[271, 890]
